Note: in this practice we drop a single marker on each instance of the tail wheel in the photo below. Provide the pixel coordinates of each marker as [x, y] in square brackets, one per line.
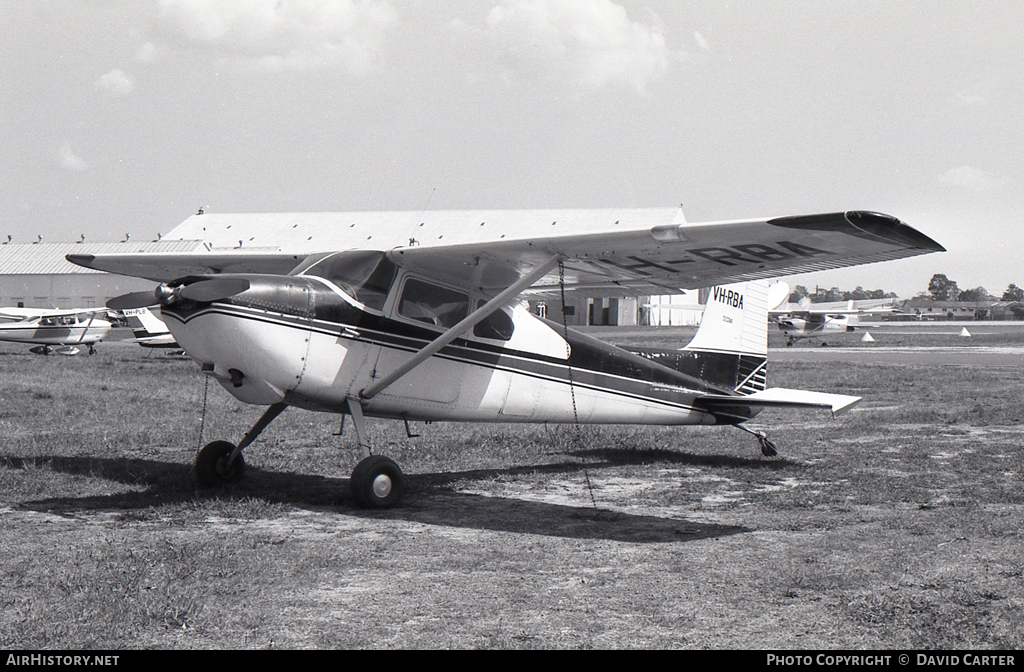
[768, 447]
[213, 468]
[377, 482]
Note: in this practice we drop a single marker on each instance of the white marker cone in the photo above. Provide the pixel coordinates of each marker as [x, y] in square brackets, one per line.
[866, 338]
[965, 333]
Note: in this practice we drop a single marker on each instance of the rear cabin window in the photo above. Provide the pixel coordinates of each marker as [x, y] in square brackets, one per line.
[497, 325]
[435, 305]
[366, 275]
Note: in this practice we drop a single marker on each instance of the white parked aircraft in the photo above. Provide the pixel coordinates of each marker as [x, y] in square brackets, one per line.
[428, 326]
[810, 320]
[54, 330]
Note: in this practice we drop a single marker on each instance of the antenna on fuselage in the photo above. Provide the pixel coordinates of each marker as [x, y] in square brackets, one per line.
[412, 238]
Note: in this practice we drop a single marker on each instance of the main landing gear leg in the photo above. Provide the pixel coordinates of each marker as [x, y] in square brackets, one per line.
[377, 481]
[768, 448]
[221, 462]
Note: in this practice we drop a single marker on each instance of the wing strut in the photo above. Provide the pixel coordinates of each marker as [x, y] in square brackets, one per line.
[468, 323]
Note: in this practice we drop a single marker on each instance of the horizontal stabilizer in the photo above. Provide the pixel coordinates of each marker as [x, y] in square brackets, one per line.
[779, 397]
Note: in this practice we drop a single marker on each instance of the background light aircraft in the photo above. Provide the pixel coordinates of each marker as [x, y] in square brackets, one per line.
[808, 320]
[149, 330]
[417, 317]
[54, 330]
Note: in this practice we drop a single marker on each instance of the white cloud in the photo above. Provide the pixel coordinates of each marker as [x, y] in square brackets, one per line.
[71, 161]
[116, 83]
[972, 179]
[301, 34]
[147, 53]
[593, 41]
[971, 99]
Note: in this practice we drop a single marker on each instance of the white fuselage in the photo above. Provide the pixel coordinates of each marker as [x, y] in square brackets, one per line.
[60, 330]
[818, 325]
[266, 349]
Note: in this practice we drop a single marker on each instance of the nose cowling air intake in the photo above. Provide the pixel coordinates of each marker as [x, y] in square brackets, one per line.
[250, 333]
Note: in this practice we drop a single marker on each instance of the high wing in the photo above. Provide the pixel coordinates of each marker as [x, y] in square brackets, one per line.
[164, 267]
[666, 259]
[39, 313]
[809, 316]
[805, 309]
[604, 252]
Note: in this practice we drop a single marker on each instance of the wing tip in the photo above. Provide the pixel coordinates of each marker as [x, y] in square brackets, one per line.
[871, 224]
[85, 260]
[843, 406]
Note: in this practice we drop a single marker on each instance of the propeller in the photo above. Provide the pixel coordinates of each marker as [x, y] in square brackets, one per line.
[205, 291]
[133, 300]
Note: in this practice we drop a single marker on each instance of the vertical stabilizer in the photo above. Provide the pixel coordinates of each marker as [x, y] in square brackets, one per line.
[735, 320]
[733, 334]
[729, 352]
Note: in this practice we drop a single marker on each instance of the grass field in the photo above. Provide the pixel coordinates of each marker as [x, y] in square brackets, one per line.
[895, 526]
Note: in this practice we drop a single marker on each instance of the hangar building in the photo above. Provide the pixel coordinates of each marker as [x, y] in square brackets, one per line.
[37, 275]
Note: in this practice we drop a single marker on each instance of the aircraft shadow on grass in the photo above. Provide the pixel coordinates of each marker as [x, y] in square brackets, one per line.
[431, 498]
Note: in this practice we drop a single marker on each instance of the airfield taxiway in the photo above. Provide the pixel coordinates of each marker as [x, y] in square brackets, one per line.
[893, 343]
[917, 343]
[905, 354]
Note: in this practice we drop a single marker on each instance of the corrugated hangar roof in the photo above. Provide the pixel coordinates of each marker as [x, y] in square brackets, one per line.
[48, 258]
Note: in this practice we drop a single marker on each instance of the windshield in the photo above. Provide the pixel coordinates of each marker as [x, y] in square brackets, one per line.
[365, 275]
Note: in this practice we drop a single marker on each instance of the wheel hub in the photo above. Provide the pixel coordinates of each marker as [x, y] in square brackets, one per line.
[224, 466]
[382, 486]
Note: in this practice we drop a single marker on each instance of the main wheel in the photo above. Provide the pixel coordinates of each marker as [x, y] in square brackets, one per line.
[377, 482]
[213, 468]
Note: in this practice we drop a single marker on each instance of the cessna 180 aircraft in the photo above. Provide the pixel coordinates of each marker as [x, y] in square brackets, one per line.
[809, 320]
[54, 330]
[416, 316]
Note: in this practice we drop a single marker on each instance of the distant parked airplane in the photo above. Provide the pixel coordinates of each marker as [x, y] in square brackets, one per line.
[808, 320]
[54, 330]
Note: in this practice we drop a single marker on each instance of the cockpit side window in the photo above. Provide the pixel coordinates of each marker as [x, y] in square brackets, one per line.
[365, 275]
[426, 302]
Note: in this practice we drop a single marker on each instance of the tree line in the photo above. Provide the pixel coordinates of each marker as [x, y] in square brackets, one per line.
[831, 295]
[941, 288]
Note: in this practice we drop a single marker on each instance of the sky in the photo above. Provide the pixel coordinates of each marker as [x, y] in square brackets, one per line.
[125, 116]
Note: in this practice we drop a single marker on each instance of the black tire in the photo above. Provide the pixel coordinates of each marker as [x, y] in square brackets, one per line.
[213, 469]
[768, 447]
[377, 482]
